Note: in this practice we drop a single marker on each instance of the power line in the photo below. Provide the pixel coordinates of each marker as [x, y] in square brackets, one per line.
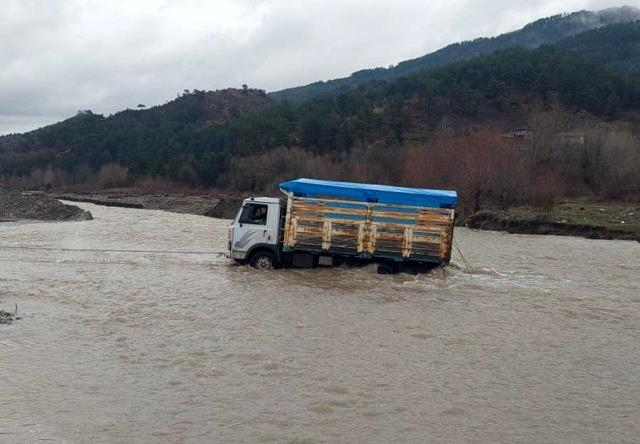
[111, 250]
[76, 262]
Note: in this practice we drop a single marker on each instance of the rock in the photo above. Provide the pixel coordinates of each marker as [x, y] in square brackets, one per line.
[6, 317]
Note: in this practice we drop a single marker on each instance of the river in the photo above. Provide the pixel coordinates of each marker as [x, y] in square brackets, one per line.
[540, 343]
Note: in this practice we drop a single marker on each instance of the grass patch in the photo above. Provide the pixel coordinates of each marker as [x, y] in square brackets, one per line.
[615, 216]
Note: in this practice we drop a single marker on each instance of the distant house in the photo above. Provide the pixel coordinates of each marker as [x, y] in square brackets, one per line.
[521, 133]
[518, 134]
[572, 137]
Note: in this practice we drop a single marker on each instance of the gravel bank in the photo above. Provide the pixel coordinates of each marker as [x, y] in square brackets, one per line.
[220, 207]
[16, 206]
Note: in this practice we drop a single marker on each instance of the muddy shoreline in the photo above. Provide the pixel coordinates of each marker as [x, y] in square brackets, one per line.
[40, 206]
[17, 206]
[224, 207]
[540, 224]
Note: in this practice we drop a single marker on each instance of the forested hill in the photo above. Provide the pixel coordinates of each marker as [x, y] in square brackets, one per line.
[617, 46]
[135, 135]
[544, 31]
[180, 142]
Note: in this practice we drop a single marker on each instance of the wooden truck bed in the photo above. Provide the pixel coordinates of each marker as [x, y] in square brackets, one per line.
[368, 230]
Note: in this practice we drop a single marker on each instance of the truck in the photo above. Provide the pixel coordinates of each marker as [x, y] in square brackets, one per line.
[328, 223]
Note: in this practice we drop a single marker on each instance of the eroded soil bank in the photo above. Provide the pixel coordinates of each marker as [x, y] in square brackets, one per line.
[543, 224]
[224, 207]
[15, 206]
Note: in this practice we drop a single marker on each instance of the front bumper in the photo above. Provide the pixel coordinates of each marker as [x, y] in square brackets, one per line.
[238, 255]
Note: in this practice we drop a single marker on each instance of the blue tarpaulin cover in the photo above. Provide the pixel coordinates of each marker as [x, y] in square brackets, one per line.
[419, 197]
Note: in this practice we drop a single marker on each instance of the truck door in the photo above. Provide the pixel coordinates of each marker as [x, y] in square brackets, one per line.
[257, 223]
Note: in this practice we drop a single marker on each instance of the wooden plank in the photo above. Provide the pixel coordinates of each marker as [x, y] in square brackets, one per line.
[369, 228]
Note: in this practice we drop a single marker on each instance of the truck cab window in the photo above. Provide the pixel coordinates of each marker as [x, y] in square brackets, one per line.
[254, 214]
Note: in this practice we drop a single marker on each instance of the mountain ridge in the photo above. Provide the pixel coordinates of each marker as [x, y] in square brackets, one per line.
[543, 31]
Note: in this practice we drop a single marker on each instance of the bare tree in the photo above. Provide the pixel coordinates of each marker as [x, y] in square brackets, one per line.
[112, 175]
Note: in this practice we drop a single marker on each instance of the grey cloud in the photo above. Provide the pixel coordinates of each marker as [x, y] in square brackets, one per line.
[62, 56]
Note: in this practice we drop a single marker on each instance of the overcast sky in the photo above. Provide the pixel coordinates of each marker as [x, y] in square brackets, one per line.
[61, 56]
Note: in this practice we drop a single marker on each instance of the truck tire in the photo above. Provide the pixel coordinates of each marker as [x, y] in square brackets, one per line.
[386, 268]
[263, 260]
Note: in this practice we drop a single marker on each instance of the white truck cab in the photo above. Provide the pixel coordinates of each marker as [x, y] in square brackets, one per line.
[255, 231]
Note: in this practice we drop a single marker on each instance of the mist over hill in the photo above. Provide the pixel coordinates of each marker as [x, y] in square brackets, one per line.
[615, 46]
[544, 31]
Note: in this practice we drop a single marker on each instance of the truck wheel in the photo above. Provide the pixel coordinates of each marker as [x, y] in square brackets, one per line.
[385, 268]
[263, 260]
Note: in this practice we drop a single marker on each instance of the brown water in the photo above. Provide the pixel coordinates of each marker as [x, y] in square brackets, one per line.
[541, 344]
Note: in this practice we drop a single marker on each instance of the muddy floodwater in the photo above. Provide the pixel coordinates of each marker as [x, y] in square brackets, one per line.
[540, 344]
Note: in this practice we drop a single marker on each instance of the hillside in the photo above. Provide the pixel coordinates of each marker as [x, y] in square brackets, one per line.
[545, 31]
[91, 140]
[177, 141]
[617, 46]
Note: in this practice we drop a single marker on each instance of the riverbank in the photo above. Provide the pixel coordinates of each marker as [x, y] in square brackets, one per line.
[225, 207]
[15, 206]
[592, 220]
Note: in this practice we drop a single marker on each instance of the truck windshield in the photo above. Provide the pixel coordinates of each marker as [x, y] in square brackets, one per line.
[255, 214]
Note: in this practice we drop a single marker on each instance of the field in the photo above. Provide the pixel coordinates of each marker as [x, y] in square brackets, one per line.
[590, 219]
[614, 216]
